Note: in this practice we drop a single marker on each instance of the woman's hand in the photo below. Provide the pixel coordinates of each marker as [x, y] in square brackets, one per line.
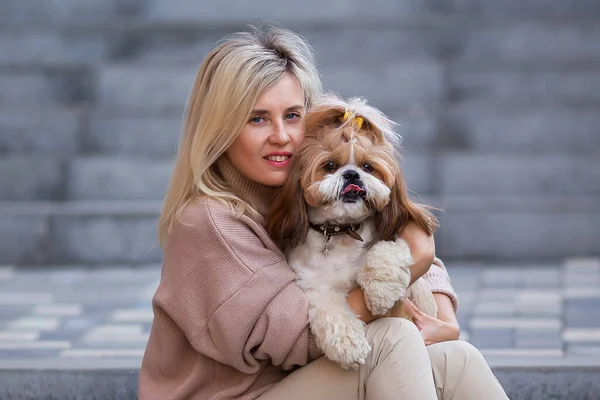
[432, 329]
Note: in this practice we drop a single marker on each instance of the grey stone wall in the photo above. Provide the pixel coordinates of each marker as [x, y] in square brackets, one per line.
[498, 103]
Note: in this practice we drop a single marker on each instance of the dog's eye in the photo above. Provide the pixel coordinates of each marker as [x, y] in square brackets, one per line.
[367, 167]
[330, 166]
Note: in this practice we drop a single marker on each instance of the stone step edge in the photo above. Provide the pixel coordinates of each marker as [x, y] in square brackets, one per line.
[433, 108]
[524, 364]
[413, 20]
[82, 208]
[122, 383]
[471, 203]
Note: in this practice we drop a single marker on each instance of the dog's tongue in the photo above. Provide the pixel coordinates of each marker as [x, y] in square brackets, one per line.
[352, 188]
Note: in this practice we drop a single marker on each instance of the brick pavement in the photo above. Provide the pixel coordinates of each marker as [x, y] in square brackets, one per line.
[98, 316]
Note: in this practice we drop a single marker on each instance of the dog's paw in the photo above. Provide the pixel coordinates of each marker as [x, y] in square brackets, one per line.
[388, 254]
[381, 296]
[348, 347]
[386, 275]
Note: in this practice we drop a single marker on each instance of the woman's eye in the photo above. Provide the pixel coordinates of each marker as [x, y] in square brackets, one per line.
[330, 166]
[256, 120]
[367, 167]
[293, 116]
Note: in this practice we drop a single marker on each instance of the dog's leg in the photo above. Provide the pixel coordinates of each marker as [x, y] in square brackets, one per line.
[420, 294]
[386, 275]
[338, 331]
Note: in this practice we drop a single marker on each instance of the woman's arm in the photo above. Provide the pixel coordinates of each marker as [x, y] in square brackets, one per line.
[234, 298]
[445, 326]
[356, 301]
[422, 249]
[446, 311]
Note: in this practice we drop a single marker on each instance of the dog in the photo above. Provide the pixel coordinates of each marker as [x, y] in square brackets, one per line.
[339, 216]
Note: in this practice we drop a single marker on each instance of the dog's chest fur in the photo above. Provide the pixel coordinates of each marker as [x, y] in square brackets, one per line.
[338, 270]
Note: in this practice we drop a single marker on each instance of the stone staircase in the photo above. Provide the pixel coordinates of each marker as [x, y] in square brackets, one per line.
[498, 104]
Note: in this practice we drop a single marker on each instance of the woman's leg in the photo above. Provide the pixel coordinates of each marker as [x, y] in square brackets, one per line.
[319, 380]
[461, 373]
[398, 368]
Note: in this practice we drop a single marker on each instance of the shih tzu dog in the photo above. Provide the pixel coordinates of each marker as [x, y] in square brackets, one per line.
[339, 217]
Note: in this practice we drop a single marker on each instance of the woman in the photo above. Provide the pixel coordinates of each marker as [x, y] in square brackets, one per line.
[229, 320]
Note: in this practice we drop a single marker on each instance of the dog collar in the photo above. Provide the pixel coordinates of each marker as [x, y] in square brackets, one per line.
[328, 230]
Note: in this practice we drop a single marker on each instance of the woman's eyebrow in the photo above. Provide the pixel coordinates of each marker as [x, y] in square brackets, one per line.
[295, 108]
[260, 112]
[267, 112]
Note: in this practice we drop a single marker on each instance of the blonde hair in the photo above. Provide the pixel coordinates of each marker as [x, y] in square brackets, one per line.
[228, 83]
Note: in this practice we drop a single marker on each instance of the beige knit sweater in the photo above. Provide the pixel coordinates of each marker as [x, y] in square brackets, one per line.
[229, 320]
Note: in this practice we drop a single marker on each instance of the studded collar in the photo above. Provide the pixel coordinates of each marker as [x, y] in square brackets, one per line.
[328, 230]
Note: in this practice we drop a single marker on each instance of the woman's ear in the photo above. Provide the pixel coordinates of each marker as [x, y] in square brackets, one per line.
[390, 221]
[287, 223]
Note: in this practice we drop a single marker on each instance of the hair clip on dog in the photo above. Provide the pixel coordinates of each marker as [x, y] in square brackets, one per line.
[358, 121]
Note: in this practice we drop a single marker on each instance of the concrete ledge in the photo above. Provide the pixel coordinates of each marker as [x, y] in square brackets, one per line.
[585, 203]
[551, 227]
[81, 208]
[520, 383]
[68, 384]
[549, 383]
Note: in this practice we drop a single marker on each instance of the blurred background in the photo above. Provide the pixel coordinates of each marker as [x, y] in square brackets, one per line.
[497, 101]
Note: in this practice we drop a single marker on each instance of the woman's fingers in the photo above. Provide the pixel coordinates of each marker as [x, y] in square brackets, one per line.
[417, 315]
[414, 311]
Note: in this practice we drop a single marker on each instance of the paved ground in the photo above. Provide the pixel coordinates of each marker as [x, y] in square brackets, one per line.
[544, 313]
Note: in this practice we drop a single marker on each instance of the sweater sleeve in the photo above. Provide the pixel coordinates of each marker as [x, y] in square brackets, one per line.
[232, 293]
[437, 277]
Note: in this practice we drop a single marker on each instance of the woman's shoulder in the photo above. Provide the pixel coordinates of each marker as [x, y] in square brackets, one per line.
[217, 225]
[211, 215]
[204, 209]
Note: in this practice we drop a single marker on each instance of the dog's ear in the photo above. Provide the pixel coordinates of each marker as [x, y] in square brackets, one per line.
[288, 217]
[392, 219]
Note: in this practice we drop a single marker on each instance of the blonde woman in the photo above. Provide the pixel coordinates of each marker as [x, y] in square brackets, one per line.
[229, 320]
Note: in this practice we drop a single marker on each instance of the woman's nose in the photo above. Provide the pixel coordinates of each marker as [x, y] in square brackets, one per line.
[279, 134]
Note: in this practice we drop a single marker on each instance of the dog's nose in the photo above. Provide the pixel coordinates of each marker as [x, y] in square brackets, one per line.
[351, 174]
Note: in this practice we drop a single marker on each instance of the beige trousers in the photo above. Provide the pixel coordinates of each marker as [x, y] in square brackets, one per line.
[399, 367]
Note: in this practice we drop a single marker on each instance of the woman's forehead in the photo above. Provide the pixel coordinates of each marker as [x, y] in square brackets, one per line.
[283, 94]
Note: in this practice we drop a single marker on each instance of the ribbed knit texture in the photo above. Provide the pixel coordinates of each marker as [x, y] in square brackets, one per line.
[438, 279]
[229, 319]
[257, 195]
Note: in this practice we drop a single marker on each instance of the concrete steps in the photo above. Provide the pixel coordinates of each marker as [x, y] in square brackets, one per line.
[497, 103]
[79, 232]
[80, 332]
[113, 382]
[493, 227]
[35, 177]
[221, 12]
[483, 128]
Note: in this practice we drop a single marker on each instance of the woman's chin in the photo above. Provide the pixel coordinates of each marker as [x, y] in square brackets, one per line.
[273, 178]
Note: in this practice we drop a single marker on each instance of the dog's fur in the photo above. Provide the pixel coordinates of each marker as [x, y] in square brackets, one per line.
[363, 185]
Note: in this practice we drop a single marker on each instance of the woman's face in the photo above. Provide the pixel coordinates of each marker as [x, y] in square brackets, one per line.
[264, 149]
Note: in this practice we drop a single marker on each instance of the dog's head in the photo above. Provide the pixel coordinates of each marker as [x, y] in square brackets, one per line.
[346, 170]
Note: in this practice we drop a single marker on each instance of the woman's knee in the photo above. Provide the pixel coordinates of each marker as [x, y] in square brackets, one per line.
[456, 352]
[460, 371]
[394, 330]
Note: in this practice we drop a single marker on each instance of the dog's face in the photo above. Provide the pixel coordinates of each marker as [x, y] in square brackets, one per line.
[347, 170]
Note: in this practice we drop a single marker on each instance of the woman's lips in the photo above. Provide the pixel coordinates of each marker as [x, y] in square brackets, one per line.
[278, 160]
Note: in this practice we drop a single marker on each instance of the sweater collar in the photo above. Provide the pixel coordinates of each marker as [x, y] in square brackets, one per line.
[257, 195]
